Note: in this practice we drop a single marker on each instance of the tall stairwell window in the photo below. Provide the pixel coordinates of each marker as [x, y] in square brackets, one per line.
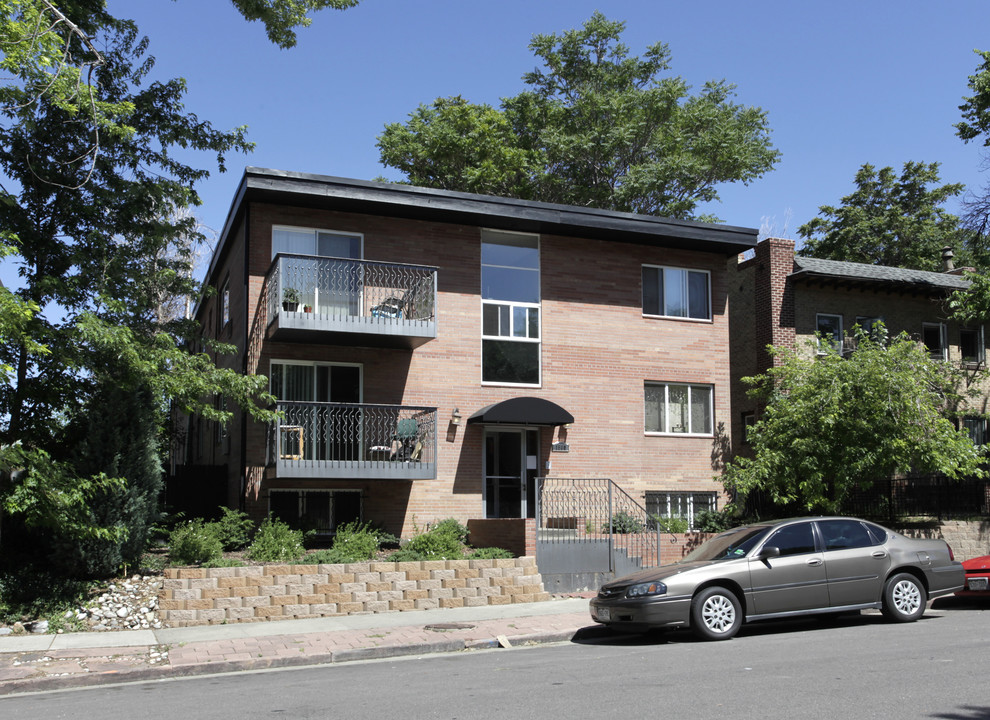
[510, 297]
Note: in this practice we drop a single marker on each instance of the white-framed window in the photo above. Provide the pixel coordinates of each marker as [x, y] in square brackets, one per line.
[977, 429]
[829, 330]
[933, 335]
[313, 241]
[676, 292]
[510, 308]
[678, 409]
[971, 345]
[680, 505]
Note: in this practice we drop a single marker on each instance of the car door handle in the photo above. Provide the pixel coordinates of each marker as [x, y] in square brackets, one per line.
[815, 562]
[879, 554]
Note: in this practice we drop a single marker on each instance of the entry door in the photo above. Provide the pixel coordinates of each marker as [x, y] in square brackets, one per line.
[328, 432]
[339, 429]
[510, 473]
[339, 288]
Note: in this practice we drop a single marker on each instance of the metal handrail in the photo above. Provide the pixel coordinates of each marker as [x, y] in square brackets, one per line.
[348, 288]
[352, 433]
[574, 510]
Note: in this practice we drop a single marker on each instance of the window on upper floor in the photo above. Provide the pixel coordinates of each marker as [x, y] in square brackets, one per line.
[676, 292]
[829, 329]
[510, 308]
[971, 346]
[679, 505]
[678, 409]
[934, 337]
[310, 241]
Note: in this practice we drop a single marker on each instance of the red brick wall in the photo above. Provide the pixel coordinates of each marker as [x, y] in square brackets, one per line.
[597, 351]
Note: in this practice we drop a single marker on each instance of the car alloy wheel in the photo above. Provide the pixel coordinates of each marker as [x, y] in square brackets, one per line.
[716, 614]
[904, 598]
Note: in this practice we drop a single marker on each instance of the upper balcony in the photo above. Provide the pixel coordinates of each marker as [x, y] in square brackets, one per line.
[356, 302]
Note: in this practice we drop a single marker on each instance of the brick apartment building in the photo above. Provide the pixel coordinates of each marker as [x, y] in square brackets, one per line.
[778, 298]
[433, 353]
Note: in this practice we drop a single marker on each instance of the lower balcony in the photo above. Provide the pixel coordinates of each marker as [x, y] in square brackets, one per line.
[356, 441]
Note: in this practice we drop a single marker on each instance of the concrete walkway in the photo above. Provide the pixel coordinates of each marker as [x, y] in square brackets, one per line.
[45, 662]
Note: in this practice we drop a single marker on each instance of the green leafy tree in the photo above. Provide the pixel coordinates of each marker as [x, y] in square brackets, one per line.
[892, 220]
[452, 144]
[596, 127]
[834, 425]
[282, 17]
[92, 200]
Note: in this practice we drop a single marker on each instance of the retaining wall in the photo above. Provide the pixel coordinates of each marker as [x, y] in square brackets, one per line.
[210, 596]
[967, 538]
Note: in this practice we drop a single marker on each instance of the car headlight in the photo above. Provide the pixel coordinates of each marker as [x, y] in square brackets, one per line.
[646, 589]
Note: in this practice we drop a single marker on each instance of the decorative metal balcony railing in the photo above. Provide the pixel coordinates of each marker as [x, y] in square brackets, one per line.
[341, 440]
[308, 292]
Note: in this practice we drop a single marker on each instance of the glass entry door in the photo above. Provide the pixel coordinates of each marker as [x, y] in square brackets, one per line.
[322, 416]
[510, 473]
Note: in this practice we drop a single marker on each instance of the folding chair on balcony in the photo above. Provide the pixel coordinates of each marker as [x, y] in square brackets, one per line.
[406, 445]
[392, 308]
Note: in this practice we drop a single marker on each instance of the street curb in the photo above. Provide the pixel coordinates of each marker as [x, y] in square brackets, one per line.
[41, 684]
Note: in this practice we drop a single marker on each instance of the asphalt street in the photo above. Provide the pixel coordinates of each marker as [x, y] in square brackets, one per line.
[855, 666]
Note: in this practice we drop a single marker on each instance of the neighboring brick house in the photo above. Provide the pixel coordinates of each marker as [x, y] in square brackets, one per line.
[435, 352]
[779, 298]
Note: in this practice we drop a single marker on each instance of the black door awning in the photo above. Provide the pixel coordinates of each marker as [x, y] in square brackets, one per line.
[523, 411]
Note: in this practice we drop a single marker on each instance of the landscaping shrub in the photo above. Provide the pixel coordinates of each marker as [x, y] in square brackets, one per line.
[490, 553]
[712, 521]
[624, 524]
[276, 542]
[194, 543]
[451, 527]
[37, 593]
[234, 529]
[445, 540]
[671, 524]
[355, 541]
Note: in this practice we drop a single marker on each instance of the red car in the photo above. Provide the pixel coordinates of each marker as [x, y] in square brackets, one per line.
[977, 576]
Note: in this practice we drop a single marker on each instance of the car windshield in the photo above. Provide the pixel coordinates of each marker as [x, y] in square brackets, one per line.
[732, 544]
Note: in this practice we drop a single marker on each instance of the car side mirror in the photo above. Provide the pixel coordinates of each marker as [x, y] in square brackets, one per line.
[769, 552]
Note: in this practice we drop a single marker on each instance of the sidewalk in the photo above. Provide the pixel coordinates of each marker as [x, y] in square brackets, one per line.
[31, 663]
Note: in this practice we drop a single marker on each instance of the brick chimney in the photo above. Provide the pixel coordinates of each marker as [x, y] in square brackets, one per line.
[774, 302]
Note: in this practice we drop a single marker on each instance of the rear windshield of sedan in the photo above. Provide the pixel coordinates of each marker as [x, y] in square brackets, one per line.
[729, 545]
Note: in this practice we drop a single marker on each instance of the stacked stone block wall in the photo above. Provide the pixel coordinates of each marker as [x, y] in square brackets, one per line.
[210, 596]
[967, 538]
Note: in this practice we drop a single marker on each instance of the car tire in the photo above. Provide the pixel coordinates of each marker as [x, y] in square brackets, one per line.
[716, 614]
[904, 598]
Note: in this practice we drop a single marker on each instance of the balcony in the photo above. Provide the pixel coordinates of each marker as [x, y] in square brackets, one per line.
[354, 441]
[354, 302]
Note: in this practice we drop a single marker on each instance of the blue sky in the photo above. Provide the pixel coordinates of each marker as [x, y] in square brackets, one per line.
[844, 83]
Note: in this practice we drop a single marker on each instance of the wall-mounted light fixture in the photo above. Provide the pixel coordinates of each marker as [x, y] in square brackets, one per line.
[566, 426]
[455, 417]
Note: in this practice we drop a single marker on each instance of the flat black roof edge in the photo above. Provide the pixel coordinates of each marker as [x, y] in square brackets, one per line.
[506, 213]
[448, 200]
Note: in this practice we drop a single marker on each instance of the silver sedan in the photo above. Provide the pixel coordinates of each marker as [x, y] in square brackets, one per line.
[783, 569]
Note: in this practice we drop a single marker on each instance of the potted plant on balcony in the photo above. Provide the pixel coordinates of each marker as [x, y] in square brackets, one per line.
[290, 299]
[307, 308]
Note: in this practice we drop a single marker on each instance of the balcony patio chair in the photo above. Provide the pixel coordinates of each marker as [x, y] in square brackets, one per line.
[406, 445]
[391, 308]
